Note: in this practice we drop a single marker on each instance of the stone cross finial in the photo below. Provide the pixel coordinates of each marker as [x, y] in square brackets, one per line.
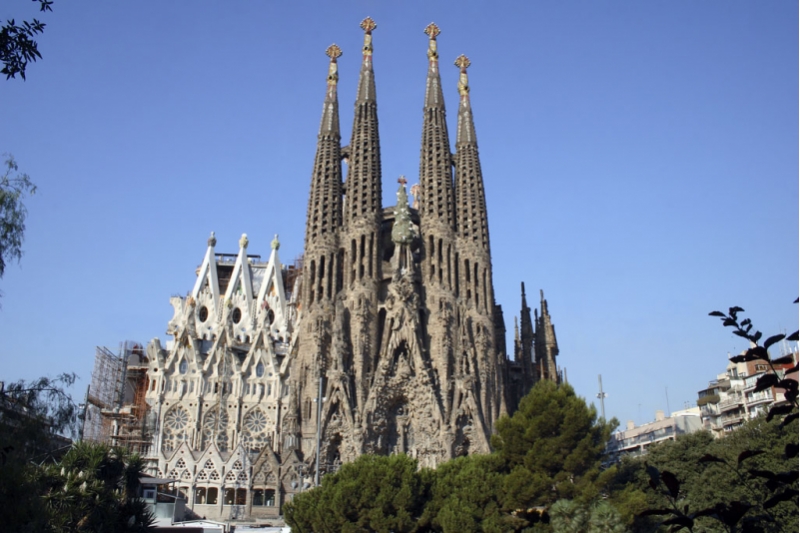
[432, 30]
[333, 52]
[463, 63]
[402, 180]
[368, 25]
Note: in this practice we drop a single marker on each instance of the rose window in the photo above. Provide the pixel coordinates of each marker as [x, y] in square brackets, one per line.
[176, 423]
[254, 436]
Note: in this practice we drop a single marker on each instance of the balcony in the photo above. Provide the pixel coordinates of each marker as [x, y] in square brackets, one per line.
[759, 397]
[729, 420]
[730, 403]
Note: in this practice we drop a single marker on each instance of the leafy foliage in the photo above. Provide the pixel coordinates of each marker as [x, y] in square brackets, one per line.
[94, 488]
[757, 352]
[549, 450]
[373, 493]
[746, 481]
[13, 188]
[568, 516]
[467, 496]
[90, 487]
[17, 44]
[552, 448]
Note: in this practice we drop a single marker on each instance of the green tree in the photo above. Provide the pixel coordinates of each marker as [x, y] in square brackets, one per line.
[467, 496]
[567, 516]
[13, 188]
[57, 488]
[718, 478]
[17, 44]
[604, 518]
[373, 493]
[553, 447]
[32, 416]
[94, 488]
[744, 482]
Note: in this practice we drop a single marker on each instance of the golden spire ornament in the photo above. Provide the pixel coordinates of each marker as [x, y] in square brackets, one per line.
[463, 63]
[432, 30]
[368, 25]
[333, 51]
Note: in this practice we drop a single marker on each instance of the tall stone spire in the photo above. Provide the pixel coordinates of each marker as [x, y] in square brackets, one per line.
[363, 186]
[526, 344]
[435, 172]
[325, 199]
[471, 221]
[546, 345]
[360, 238]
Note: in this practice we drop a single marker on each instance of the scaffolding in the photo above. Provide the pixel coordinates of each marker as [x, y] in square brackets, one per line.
[116, 409]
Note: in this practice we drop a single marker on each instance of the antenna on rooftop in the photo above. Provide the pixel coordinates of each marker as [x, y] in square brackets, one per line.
[666, 393]
[602, 395]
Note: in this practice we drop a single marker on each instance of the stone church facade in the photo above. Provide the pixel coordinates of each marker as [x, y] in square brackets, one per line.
[390, 320]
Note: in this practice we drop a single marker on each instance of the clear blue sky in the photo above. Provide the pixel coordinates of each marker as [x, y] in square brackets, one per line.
[640, 161]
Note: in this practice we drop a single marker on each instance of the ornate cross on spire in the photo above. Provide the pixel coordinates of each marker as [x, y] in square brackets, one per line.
[432, 30]
[333, 51]
[463, 63]
[368, 25]
[402, 180]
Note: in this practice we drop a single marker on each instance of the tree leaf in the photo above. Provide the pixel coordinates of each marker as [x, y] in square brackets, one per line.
[790, 450]
[656, 512]
[776, 410]
[730, 514]
[765, 382]
[785, 360]
[786, 495]
[788, 420]
[672, 483]
[710, 511]
[793, 336]
[766, 474]
[717, 313]
[747, 454]
[682, 521]
[772, 340]
[708, 458]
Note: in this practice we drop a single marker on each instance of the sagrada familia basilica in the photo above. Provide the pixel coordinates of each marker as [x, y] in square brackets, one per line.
[387, 339]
